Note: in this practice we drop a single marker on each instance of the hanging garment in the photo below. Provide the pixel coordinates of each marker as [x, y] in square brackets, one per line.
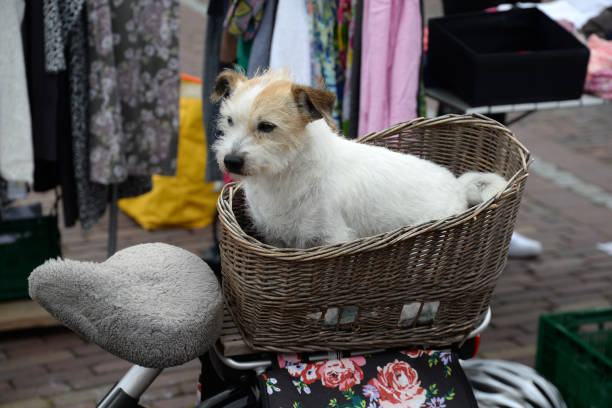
[184, 201]
[91, 196]
[243, 54]
[60, 17]
[291, 41]
[260, 50]
[210, 110]
[50, 115]
[391, 62]
[244, 17]
[133, 88]
[346, 38]
[326, 67]
[16, 154]
[354, 82]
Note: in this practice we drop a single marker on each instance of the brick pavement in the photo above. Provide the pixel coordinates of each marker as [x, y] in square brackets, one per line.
[54, 368]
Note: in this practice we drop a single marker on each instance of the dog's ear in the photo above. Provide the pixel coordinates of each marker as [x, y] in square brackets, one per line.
[225, 84]
[313, 103]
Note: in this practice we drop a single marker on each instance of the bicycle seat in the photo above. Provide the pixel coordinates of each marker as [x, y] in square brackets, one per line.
[154, 305]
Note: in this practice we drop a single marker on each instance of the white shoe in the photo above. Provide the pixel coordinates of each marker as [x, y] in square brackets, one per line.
[523, 247]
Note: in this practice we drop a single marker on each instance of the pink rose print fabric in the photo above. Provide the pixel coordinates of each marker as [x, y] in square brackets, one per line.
[395, 379]
[398, 385]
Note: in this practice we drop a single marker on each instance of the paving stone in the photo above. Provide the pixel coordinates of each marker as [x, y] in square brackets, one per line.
[60, 357]
[176, 377]
[80, 362]
[512, 353]
[178, 402]
[161, 393]
[90, 396]
[87, 350]
[554, 267]
[27, 403]
[49, 377]
[27, 371]
[4, 386]
[115, 365]
[62, 339]
[18, 340]
[45, 390]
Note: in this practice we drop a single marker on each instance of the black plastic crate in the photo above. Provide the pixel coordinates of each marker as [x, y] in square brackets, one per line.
[516, 56]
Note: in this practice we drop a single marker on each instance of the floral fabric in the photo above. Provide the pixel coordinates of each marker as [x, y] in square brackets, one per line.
[406, 379]
[133, 88]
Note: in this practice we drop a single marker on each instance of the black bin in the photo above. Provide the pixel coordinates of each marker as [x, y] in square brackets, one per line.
[516, 56]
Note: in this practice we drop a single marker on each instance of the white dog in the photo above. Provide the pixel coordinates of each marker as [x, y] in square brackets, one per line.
[307, 186]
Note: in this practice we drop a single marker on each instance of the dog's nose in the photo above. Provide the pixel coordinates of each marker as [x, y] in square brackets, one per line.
[233, 163]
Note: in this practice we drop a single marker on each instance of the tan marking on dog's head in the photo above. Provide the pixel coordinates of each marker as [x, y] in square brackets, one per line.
[313, 103]
[274, 105]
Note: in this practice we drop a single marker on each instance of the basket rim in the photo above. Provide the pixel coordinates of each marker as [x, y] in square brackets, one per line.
[229, 221]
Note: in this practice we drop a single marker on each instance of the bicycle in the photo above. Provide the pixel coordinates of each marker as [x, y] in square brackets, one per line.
[74, 291]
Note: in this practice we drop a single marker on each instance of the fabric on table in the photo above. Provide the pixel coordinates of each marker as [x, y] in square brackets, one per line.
[291, 41]
[599, 70]
[133, 88]
[391, 63]
[16, 151]
[260, 50]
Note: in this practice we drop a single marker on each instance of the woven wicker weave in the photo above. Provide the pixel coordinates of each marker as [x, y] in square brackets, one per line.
[351, 295]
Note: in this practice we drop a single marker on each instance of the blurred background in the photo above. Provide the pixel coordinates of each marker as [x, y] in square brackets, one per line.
[563, 265]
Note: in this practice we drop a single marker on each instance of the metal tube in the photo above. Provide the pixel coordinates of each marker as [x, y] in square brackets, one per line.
[239, 365]
[136, 381]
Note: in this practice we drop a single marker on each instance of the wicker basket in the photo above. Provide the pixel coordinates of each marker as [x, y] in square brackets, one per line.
[363, 294]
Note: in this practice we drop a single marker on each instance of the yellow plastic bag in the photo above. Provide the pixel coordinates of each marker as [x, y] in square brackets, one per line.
[183, 201]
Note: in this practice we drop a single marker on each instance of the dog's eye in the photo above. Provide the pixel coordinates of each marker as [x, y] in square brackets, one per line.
[266, 127]
[230, 121]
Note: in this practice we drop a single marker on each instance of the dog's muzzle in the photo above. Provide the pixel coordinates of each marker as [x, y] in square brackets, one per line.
[233, 163]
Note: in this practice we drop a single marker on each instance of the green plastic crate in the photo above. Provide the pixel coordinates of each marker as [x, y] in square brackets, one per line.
[575, 353]
[25, 244]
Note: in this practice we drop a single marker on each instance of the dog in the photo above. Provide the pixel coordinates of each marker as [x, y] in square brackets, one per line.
[306, 185]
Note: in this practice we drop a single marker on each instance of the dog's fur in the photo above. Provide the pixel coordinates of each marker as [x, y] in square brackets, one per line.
[307, 186]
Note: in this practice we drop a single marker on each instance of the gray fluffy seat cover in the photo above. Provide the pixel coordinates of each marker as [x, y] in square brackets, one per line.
[154, 305]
